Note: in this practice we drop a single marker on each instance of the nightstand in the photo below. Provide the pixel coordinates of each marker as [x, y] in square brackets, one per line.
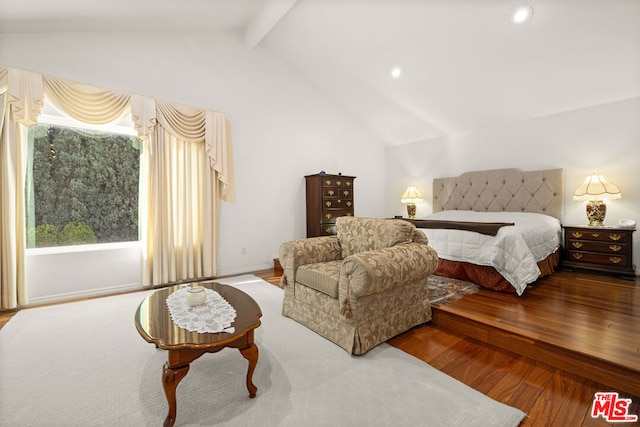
[606, 249]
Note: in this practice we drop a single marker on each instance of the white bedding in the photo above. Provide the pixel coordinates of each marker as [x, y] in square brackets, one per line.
[514, 251]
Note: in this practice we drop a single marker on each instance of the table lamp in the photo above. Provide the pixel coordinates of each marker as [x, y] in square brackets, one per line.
[411, 197]
[594, 189]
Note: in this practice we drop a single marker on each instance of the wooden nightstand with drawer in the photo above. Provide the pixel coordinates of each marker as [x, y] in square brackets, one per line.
[606, 249]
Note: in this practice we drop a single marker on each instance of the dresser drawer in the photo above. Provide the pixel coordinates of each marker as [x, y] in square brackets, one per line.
[591, 246]
[330, 215]
[337, 182]
[337, 192]
[596, 258]
[330, 204]
[600, 236]
[327, 229]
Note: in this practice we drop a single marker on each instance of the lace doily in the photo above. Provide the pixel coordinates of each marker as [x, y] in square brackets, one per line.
[215, 315]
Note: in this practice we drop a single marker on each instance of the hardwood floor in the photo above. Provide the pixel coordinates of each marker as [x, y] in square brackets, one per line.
[519, 350]
[582, 323]
[546, 353]
[5, 316]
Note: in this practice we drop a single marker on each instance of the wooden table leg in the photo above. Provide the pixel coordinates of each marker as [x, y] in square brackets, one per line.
[171, 377]
[251, 354]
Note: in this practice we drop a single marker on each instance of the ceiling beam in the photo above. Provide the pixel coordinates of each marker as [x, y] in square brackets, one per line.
[265, 21]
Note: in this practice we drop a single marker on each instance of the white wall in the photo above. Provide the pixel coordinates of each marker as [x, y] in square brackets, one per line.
[78, 271]
[283, 128]
[603, 139]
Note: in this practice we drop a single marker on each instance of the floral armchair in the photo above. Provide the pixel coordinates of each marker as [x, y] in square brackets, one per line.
[361, 287]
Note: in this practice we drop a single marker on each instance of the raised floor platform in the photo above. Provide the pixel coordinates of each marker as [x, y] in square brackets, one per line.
[583, 323]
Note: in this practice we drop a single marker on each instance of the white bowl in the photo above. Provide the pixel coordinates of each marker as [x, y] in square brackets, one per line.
[196, 295]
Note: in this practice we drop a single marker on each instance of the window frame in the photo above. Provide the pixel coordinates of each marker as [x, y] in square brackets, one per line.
[51, 116]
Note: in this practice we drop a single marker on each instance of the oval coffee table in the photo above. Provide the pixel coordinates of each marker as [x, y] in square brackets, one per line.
[154, 324]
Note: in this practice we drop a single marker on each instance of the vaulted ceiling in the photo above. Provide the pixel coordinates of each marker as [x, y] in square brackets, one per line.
[465, 64]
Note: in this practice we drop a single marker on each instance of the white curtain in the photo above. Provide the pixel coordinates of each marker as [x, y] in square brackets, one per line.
[180, 240]
[186, 169]
[21, 101]
[186, 163]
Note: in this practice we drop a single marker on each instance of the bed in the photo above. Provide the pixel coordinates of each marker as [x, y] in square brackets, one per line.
[498, 228]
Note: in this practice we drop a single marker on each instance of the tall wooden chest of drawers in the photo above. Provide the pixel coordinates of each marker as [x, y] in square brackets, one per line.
[608, 249]
[328, 197]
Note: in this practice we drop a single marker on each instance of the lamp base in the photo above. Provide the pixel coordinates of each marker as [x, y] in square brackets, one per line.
[596, 211]
[411, 210]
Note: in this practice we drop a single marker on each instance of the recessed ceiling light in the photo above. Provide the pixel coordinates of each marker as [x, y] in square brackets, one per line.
[396, 72]
[522, 14]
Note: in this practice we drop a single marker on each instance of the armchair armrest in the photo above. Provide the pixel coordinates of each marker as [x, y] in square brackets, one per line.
[379, 270]
[295, 253]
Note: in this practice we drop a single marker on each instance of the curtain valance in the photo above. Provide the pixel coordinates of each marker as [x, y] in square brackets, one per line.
[91, 104]
[25, 95]
[86, 103]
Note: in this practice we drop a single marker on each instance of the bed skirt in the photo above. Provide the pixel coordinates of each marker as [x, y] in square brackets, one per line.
[488, 277]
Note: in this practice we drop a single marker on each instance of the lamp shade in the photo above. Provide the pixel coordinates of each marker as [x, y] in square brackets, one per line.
[412, 195]
[595, 187]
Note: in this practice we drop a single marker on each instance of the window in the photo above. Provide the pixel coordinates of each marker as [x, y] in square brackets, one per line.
[82, 183]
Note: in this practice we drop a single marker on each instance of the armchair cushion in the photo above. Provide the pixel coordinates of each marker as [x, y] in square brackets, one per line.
[357, 235]
[321, 276]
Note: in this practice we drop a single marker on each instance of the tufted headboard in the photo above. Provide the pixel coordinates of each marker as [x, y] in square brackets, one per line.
[501, 190]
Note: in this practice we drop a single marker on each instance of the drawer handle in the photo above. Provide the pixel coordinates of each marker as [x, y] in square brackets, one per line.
[338, 183]
[328, 204]
[615, 259]
[348, 183]
[328, 230]
[576, 244]
[577, 256]
[331, 193]
[345, 193]
[615, 248]
[615, 236]
[595, 235]
[576, 234]
[328, 216]
[349, 204]
[349, 214]
[328, 182]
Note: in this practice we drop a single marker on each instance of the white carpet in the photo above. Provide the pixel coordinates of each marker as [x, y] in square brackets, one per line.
[84, 364]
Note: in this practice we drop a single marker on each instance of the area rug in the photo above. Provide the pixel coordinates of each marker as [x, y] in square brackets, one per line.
[84, 364]
[443, 289]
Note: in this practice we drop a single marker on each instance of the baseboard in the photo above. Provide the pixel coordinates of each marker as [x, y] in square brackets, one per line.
[90, 293]
[244, 270]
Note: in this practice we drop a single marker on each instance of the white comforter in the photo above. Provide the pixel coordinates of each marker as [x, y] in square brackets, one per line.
[514, 252]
